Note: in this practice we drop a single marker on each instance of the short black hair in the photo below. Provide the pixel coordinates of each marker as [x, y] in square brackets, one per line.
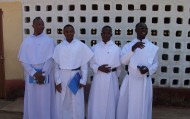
[138, 24]
[36, 19]
[109, 27]
[68, 25]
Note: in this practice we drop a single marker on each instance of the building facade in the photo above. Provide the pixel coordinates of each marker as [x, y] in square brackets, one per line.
[168, 22]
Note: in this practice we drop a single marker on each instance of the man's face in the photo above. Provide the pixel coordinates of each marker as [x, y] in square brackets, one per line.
[106, 34]
[38, 26]
[69, 33]
[142, 31]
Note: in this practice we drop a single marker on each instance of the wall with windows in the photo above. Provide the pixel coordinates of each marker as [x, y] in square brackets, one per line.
[168, 22]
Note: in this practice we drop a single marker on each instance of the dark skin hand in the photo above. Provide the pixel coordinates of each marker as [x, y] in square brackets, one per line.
[138, 45]
[104, 68]
[58, 88]
[143, 69]
[81, 86]
[39, 77]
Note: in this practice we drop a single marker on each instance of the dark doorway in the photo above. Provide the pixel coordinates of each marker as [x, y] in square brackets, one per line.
[2, 66]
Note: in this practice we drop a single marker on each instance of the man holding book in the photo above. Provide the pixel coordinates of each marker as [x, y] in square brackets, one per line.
[71, 57]
[135, 100]
[35, 55]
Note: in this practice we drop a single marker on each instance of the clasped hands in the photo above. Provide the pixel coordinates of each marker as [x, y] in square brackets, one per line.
[39, 77]
[143, 69]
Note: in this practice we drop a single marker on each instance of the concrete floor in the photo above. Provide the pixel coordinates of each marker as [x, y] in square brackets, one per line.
[171, 113]
[14, 110]
[11, 109]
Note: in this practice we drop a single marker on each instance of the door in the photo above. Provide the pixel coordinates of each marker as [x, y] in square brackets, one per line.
[2, 66]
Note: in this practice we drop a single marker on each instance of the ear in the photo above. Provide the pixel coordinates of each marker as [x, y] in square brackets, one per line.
[136, 30]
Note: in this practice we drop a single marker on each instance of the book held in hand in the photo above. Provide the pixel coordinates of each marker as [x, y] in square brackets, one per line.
[34, 81]
[74, 83]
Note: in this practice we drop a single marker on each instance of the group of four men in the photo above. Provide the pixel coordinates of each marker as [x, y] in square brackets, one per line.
[49, 68]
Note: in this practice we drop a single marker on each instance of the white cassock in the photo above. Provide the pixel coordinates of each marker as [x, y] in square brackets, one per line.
[39, 100]
[104, 90]
[135, 100]
[70, 56]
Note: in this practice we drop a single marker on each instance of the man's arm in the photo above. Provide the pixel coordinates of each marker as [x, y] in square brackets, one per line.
[48, 66]
[32, 72]
[57, 78]
[84, 73]
[94, 65]
[126, 54]
[152, 69]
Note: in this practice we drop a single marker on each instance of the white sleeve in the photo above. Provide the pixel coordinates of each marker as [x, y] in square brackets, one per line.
[126, 54]
[94, 65]
[57, 74]
[30, 70]
[48, 66]
[119, 69]
[84, 73]
[153, 67]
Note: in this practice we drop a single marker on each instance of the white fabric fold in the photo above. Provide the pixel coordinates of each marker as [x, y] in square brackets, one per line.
[32, 45]
[75, 54]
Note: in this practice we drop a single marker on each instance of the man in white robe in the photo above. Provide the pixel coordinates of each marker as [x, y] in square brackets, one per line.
[135, 100]
[71, 56]
[104, 90]
[35, 54]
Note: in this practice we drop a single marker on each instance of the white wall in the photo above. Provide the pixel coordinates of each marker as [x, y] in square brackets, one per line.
[164, 19]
